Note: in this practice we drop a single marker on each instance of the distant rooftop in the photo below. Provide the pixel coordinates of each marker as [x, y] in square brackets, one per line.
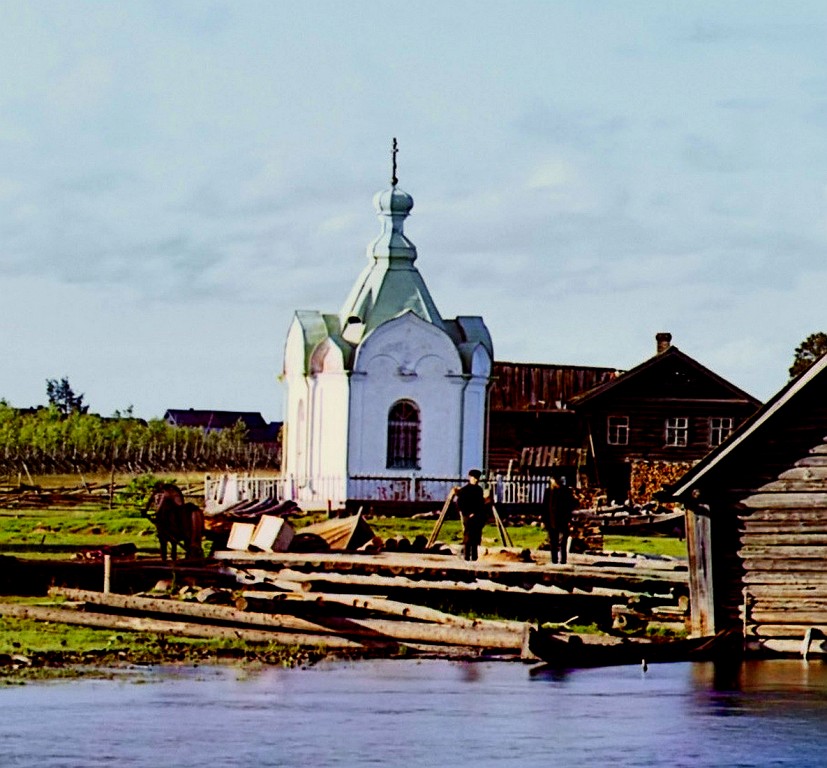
[258, 429]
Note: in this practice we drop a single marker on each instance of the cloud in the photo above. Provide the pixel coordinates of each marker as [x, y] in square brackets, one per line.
[575, 127]
[706, 155]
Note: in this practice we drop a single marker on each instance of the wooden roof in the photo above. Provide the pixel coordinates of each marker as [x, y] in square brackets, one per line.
[693, 375]
[541, 387]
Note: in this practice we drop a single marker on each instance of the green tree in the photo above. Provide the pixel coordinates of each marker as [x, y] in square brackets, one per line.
[62, 396]
[813, 348]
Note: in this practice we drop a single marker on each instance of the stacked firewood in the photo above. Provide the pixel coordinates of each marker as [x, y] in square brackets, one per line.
[649, 477]
[586, 534]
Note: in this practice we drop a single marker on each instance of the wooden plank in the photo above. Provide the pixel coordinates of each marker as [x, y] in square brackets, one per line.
[811, 536]
[783, 565]
[307, 581]
[802, 551]
[221, 613]
[788, 515]
[785, 590]
[784, 630]
[796, 485]
[441, 519]
[806, 473]
[783, 605]
[783, 543]
[504, 536]
[698, 530]
[380, 605]
[180, 628]
[784, 646]
[815, 460]
[805, 617]
[776, 576]
[793, 529]
[483, 635]
[786, 500]
[584, 568]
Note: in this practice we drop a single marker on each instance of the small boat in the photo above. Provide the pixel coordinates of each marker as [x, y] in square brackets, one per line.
[572, 651]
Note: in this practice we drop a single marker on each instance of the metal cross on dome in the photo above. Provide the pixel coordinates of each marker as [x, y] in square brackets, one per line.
[394, 180]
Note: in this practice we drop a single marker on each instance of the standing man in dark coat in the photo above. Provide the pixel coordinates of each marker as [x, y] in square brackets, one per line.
[471, 503]
[559, 502]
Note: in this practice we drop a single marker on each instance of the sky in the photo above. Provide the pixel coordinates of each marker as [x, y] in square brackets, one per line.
[177, 178]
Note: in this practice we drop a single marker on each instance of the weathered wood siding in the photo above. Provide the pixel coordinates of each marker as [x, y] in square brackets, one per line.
[528, 410]
[647, 427]
[511, 433]
[531, 386]
[783, 551]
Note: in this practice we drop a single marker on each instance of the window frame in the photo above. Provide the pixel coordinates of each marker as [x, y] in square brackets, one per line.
[617, 430]
[673, 432]
[722, 431]
[404, 436]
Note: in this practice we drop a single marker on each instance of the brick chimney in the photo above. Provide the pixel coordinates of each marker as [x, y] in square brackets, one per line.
[664, 341]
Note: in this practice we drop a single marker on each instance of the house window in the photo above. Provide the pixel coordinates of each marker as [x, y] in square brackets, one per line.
[720, 428]
[677, 432]
[618, 430]
[403, 436]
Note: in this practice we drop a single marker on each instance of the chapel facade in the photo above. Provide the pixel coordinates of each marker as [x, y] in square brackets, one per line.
[387, 389]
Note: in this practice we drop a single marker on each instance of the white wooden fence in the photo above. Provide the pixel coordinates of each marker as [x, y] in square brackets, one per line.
[225, 490]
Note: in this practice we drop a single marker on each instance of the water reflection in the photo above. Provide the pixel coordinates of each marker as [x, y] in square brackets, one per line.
[408, 713]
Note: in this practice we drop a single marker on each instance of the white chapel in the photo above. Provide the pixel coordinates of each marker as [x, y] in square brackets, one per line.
[387, 388]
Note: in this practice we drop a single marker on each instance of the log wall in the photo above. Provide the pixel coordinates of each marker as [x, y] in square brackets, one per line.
[783, 552]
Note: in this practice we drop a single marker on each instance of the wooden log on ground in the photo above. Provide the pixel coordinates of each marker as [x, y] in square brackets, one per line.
[381, 605]
[183, 629]
[488, 635]
[289, 577]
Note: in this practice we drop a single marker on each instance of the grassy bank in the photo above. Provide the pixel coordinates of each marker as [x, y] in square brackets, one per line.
[31, 650]
[59, 530]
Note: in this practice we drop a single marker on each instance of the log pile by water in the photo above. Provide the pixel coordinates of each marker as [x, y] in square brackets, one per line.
[373, 604]
[355, 623]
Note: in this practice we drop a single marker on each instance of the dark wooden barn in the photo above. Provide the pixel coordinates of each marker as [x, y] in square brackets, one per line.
[757, 524]
[530, 425]
[650, 424]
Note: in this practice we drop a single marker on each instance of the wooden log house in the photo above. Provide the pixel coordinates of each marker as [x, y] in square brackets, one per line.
[627, 433]
[757, 525]
[647, 426]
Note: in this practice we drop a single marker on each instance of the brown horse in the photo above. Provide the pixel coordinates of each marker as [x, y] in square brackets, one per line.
[177, 522]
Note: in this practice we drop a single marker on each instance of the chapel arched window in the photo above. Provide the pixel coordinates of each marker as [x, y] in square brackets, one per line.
[403, 436]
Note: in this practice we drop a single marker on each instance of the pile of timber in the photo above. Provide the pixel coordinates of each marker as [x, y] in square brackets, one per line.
[348, 623]
[273, 533]
[502, 582]
[370, 604]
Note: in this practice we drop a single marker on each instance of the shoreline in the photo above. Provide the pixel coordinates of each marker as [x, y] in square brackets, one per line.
[44, 666]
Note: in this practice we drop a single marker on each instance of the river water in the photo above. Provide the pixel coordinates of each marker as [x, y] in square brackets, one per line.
[423, 713]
